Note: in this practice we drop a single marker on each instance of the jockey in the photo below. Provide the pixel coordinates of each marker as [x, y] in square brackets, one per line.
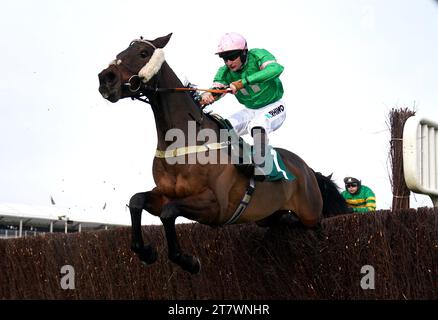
[358, 197]
[253, 77]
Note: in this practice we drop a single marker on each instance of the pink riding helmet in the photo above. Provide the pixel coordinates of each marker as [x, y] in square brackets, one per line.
[231, 41]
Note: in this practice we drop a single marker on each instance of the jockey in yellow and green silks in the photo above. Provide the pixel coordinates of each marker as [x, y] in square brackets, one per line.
[358, 197]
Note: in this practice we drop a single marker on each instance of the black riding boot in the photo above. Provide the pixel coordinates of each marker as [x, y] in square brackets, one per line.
[261, 155]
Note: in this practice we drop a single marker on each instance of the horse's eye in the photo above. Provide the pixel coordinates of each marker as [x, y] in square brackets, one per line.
[144, 54]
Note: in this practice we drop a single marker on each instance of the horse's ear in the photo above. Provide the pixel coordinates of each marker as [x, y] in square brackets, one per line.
[330, 176]
[162, 41]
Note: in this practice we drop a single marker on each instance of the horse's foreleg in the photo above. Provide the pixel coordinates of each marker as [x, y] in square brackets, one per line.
[138, 202]
[168, 216]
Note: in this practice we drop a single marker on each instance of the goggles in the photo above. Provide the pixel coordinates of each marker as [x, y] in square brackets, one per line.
[230, 56]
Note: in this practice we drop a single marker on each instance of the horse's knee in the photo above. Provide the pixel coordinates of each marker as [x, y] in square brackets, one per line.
[170, 212]
[137, 201]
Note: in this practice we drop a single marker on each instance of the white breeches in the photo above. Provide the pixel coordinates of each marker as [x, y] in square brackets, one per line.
[270, 118]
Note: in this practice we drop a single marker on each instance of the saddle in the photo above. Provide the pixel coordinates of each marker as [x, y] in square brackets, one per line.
[241, 153]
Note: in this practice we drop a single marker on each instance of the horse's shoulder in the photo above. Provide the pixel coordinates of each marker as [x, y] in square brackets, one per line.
[180, 180]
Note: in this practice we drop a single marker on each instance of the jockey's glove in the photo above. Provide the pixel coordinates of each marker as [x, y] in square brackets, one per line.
[236, 85]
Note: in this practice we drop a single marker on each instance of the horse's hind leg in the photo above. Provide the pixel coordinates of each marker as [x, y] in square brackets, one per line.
[279, 218]
[271, 220]
[289, 218]
[168, 216]
[148, 201]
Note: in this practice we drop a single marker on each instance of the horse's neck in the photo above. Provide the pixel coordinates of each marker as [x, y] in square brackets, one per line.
[175, 110]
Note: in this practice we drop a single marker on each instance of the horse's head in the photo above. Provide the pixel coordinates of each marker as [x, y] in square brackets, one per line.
[132, 68]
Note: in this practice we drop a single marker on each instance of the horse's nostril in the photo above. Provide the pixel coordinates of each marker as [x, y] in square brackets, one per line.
[111, 77]
[108, 78]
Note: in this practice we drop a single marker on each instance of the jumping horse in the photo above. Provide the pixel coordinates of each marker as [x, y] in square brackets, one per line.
[207, 193]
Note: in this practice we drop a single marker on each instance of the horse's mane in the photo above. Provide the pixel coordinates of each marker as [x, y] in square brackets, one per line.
[333, 202]
[195, 95]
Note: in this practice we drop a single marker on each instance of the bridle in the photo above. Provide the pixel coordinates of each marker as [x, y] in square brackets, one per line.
[135, 83]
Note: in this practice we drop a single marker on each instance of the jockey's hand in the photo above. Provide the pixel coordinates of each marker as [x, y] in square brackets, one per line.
[236, 86]
[207, 98]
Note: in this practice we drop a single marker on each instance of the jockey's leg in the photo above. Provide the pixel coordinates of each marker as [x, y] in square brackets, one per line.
[262, 156]
[242, 157]
[240, 120]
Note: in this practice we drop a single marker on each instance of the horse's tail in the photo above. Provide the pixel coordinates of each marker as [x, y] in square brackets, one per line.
[333, 202]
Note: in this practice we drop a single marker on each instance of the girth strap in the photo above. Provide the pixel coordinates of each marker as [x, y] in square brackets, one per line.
[243, 203]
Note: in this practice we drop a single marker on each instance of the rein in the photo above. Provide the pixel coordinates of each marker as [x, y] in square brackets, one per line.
[135, 85]
[187, 89]
[141, 94]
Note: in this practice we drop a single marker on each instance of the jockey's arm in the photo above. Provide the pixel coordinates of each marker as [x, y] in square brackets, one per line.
[268, 71]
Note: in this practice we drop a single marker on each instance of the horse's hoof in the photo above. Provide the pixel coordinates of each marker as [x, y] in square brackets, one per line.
[147, 255]
[190, 264]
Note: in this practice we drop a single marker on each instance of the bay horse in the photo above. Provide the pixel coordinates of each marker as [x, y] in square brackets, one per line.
[208, 193]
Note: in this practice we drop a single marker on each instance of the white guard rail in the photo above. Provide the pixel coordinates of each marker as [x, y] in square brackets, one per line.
[420, 156]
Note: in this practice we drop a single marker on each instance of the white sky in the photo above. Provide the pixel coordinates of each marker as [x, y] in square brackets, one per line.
[347, 63]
